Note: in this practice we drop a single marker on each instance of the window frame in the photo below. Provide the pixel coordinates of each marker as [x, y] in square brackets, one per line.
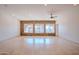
[37, 22]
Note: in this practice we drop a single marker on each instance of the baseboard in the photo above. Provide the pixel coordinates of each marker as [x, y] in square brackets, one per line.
[70, 40]
[9, 38]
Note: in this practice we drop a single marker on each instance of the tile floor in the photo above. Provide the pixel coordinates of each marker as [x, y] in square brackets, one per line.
[38, 45]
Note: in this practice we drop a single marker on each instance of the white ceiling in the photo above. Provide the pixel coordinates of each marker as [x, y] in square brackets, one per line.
[37, 7]
[34, 9]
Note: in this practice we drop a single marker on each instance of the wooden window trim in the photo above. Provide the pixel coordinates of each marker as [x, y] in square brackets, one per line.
[37, 34]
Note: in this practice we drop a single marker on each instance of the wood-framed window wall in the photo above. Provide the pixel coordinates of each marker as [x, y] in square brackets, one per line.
[38, 28]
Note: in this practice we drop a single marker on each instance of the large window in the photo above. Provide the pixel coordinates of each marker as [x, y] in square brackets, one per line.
[28, 28]
[49, 28]
[38, 28]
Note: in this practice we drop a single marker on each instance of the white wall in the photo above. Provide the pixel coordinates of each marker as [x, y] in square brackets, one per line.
[68, 21]
[8, 26]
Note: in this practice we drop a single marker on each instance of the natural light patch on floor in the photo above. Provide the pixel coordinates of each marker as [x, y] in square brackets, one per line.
[38, 40]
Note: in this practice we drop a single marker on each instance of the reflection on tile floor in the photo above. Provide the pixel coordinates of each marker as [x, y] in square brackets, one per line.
[38, 45]
[38, 40]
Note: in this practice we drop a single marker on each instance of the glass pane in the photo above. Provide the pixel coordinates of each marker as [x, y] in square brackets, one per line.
[39, 28]
[49, 28]
[28, 28]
